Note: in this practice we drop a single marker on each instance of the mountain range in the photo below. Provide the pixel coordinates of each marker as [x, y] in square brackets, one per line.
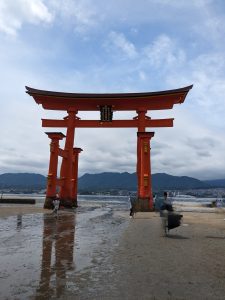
[109, 180]
[22, 180]
[128, 181]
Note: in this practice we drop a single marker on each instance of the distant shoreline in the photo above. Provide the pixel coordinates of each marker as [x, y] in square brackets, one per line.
[17, 201]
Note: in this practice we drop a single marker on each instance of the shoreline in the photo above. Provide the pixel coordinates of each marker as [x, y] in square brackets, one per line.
[12, 209]
[107, 255]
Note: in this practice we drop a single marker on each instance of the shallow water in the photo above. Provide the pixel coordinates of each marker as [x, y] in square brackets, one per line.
[46, 256]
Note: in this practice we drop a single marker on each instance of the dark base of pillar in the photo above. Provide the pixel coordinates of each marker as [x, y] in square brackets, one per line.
[68, 203]
[142, 205]
[48, 203]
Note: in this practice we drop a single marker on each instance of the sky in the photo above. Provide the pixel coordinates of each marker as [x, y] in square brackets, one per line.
[115, 46]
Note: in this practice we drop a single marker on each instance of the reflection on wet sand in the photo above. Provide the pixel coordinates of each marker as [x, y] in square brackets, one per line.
[19, 222]
[57, 255]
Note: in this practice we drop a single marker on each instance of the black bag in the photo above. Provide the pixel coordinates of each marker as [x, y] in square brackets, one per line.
[174, 220]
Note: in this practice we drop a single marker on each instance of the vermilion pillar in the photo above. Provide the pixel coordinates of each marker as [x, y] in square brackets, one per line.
[53, 165]
[141, 117]
[66, 167]
[76, 152]
[142, 120]
[145, 199]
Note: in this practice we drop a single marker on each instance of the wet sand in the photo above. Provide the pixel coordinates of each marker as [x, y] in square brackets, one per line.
[7, 210]
[100, 253]
[188, 264]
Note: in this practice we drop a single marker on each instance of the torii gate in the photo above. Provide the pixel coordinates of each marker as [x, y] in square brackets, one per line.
[72, 103]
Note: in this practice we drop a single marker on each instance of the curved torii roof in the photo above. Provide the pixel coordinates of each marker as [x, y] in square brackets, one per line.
[118, 101]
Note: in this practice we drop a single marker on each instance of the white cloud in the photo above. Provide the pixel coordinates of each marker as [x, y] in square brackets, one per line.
[119, 42]
[164, 53]
[212, 25]
[182, 4]
[206, 72]
[15, 13]
[189, 148]
[142, 75]
[78, 14]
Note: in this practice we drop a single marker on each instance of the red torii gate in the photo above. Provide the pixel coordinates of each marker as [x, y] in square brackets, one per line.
[106, 104]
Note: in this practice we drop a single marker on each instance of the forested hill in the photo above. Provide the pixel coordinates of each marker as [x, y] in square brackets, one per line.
[109, 180]
[216, 182]
[22, 180]
[129, 181]
[166, 181]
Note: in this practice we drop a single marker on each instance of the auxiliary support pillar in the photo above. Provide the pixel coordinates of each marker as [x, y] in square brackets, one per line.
[53, 166]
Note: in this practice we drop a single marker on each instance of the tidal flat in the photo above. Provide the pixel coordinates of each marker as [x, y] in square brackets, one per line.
[44, 256]
[98, 252]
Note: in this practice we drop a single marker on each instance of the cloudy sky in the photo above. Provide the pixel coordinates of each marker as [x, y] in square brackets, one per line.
[115, 46]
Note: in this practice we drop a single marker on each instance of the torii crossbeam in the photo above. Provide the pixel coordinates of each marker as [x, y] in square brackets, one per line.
[106, 104]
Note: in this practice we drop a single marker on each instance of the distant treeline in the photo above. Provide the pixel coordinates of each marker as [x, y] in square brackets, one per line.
[109, 181]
